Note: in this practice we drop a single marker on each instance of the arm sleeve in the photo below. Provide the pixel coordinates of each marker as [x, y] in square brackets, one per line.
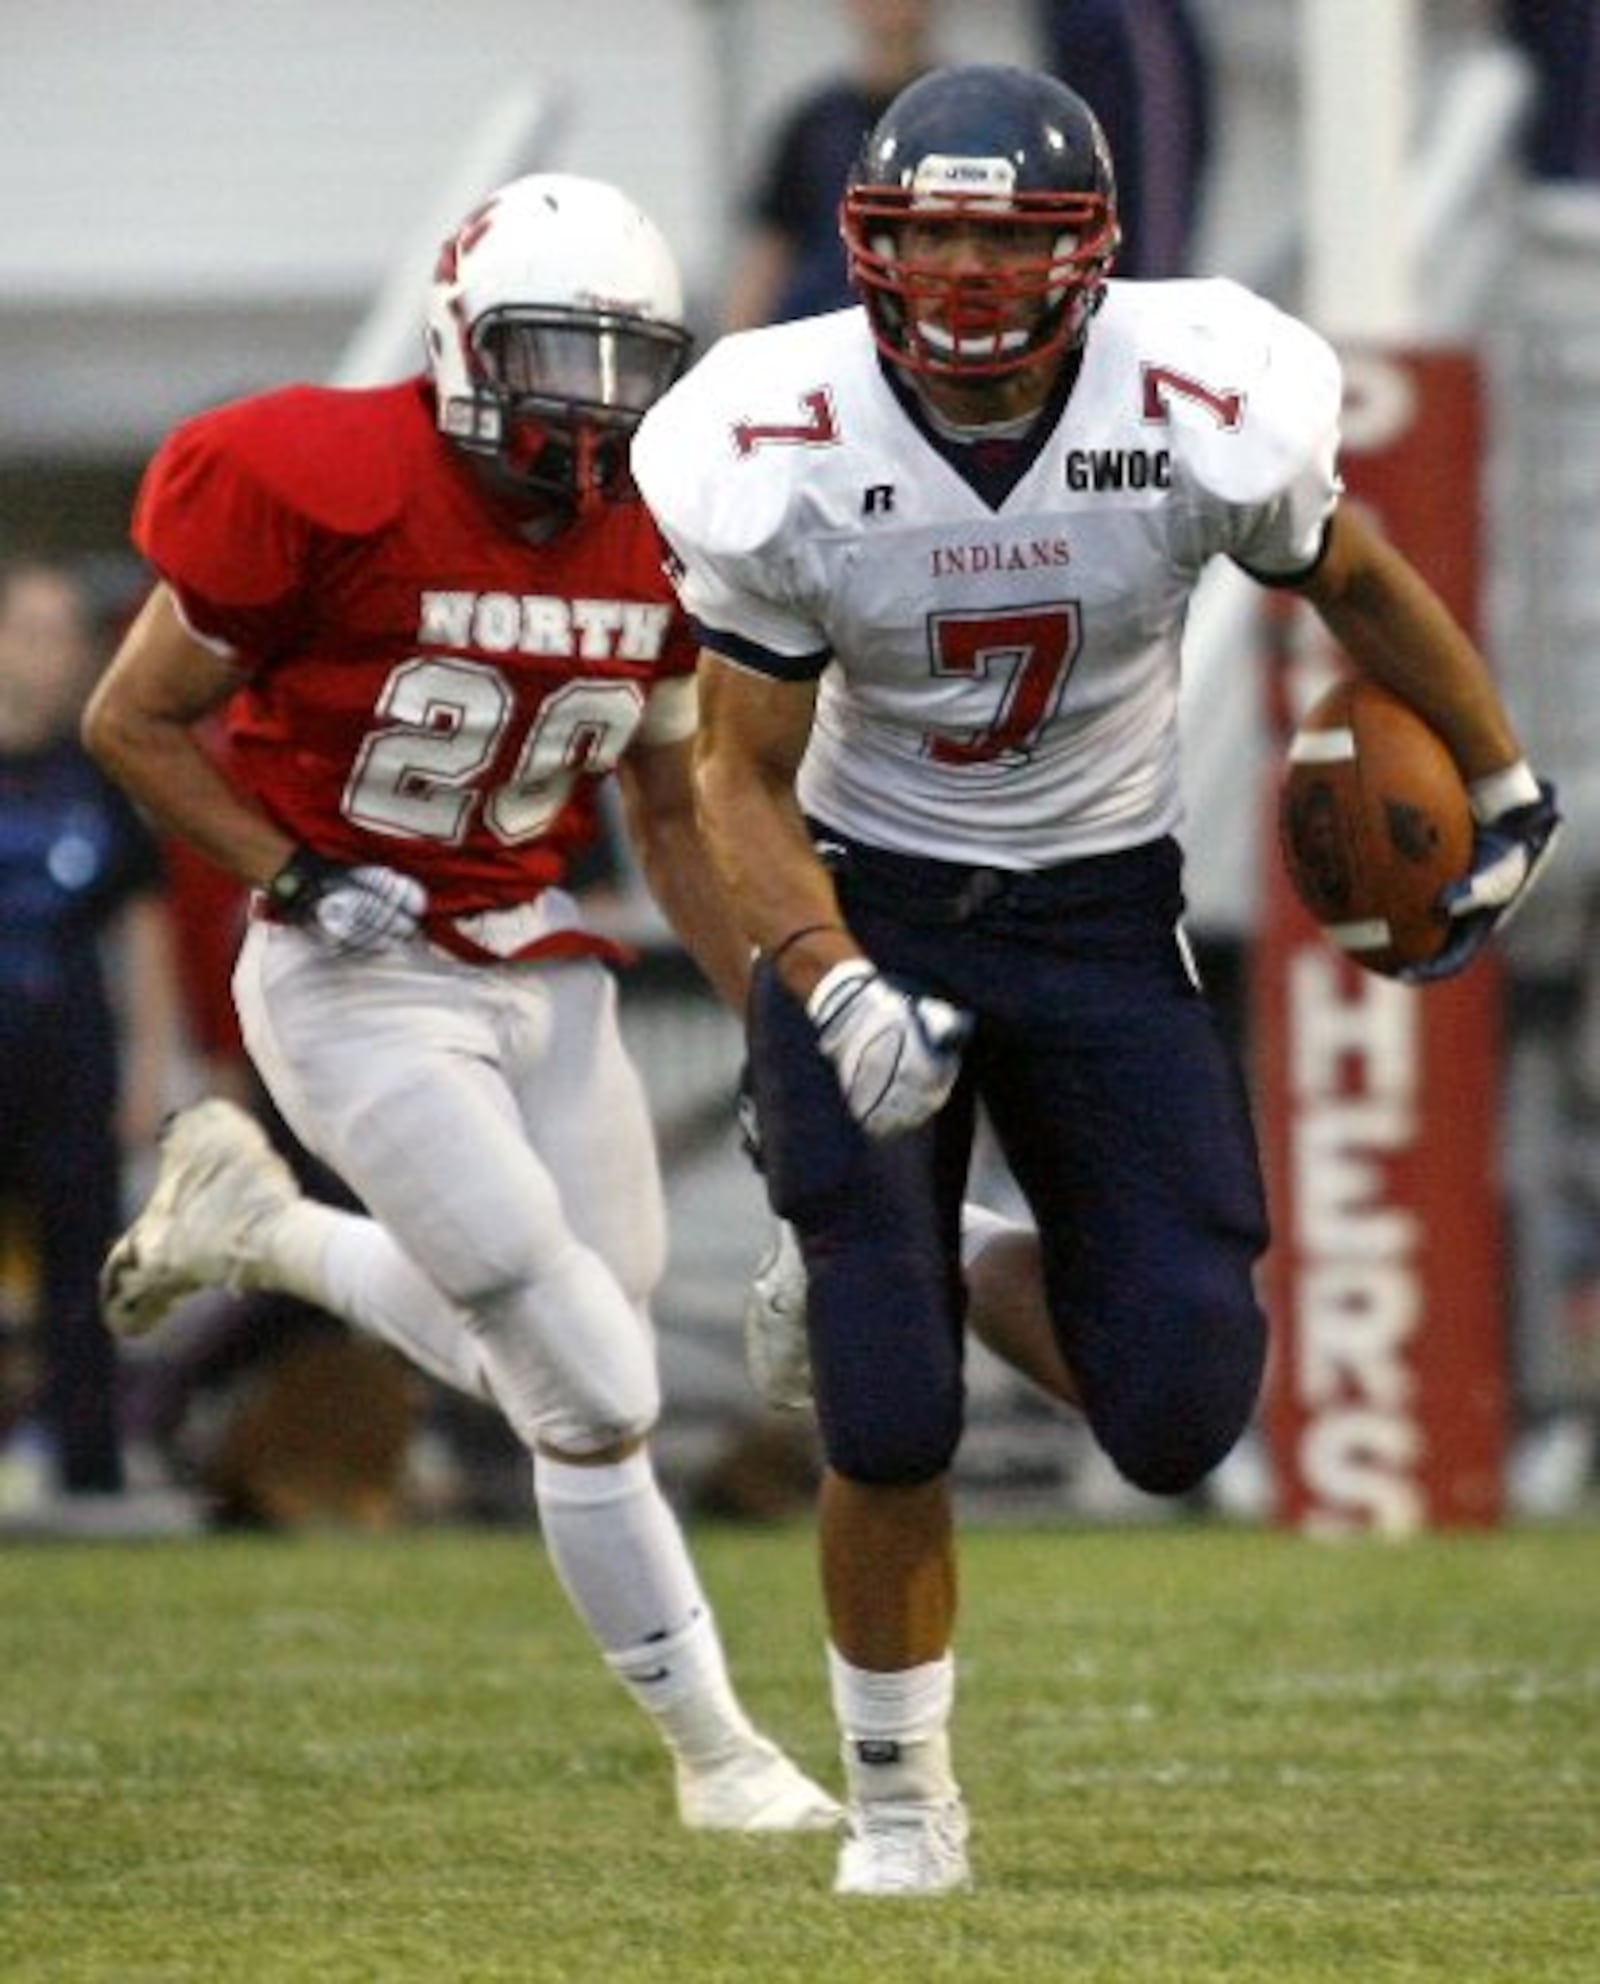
[733, 616]
[1275, 473]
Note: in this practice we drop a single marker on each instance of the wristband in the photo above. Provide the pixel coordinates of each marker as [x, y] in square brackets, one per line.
[798, 936]
[1503, 791]
[299, 882]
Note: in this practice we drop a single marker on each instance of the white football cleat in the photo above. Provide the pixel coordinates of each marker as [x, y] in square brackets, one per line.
[218, 1181]
[905, 1848]
[755, 1789]
[775, 1346]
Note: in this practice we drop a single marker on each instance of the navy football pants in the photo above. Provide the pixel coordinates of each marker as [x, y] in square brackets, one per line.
[1122, 1116]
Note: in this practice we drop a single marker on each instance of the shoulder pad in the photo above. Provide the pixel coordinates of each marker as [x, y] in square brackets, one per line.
[331, 455]
[1250, 395]
[719, 459]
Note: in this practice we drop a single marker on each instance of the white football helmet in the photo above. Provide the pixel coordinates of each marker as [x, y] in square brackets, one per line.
[555, 321]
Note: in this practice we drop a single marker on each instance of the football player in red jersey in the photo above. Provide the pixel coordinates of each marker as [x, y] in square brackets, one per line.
[434, 619]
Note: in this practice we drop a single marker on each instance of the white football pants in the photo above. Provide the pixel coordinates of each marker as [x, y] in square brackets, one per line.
[492, 1123]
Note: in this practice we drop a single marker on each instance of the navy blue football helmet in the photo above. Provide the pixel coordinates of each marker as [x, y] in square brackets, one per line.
[1008, 157]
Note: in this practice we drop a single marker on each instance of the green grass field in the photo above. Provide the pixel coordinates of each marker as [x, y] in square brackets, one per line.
[1192, 1754]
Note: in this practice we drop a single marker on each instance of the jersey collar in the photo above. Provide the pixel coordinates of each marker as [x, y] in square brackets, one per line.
[991, 468]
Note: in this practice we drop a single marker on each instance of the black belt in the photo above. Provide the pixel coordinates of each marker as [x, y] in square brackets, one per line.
[918, 889]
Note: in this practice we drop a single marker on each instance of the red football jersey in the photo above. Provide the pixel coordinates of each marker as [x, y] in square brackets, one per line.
[423, 688]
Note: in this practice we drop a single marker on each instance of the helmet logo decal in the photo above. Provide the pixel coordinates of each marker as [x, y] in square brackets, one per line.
[462, 242]
[941, 177]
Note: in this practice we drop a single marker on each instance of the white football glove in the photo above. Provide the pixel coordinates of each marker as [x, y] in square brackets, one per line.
[1518, 822]
[897, 1054]
[352, 909]
[776, 1350]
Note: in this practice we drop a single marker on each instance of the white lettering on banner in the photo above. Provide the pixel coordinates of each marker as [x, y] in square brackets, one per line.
[1366, 1314]
[1380, 401]
[1339, 1178]
[1354, 1071]
[1371, 1029]
[1366, 1461]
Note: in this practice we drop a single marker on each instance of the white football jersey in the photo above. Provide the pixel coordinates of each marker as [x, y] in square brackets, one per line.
[999, 684]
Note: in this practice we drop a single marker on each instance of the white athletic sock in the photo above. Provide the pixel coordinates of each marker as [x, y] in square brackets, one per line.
[352, 1267]
[895, 1729]
[621, 1557]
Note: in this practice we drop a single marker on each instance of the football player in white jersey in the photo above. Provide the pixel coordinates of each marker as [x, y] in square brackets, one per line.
[940, 549]
[430, 618]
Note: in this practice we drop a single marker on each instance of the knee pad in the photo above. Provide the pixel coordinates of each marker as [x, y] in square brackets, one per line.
[1167, 1421]
[886, 1450]
[887, 1368]
[570, 1360]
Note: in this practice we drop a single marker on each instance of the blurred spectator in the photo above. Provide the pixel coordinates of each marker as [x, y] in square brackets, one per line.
[1144, 67]
[88, 1008]
[792, 261]
[1562, 40]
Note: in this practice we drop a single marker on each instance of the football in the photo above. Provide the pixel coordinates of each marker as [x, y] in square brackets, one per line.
[1374, 821]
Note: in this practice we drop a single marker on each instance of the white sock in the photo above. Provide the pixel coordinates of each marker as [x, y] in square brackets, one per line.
[352, 1267]
[895, 1729]
[622, 1560]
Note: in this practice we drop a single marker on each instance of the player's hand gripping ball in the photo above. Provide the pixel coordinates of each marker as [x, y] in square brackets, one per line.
[1375, 824]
